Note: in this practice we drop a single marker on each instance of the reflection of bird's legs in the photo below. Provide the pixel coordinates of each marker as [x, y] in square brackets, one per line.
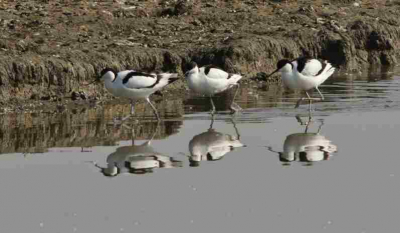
[298, 118]
[320, 126]
[155, 131]
[306, 129]
[236, 129]
[212, 121]
[309, 102]
[154, 109]
[212, 106]
[133, 135]
[235, 108]
[307, 123]
[298, 102]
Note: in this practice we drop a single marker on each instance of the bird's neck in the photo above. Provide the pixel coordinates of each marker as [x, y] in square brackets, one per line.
[108, 80]
[287, 69]
[194, 73]
[109, 76]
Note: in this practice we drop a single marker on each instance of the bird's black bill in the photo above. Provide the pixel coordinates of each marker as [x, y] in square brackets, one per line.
[271, 74]
[90, 83]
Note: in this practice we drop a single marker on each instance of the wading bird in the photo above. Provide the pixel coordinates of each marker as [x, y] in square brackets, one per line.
[210, 80]
[304, 74]
[135, 85]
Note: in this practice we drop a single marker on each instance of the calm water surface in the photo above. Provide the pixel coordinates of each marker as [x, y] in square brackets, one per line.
[265, 169]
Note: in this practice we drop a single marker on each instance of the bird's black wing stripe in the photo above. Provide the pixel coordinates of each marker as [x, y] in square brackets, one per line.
[159, 76]
[324, 64]
[229, 75]
[158, 80]
[134, 74]
[209, 67]
[301, 63]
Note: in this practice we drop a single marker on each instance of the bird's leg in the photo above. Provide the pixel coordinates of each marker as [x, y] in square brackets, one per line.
[212, 122]
[298, 102]
[154, 109]
[212, 106]
[236, 129]
[132, 112]
[309, 102]
[322, 97]
[132, 107]
[298, 118]
[320, 127]
[235, 108]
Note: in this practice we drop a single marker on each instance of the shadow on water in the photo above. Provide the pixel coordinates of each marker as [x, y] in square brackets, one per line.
[306, 147]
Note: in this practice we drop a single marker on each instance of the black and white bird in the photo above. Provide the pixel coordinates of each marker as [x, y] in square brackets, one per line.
[135, 85]
[304, 74]
[210, 80]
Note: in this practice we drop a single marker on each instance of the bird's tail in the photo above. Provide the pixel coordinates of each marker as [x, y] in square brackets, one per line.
[169, 77]
[235, 78]
[328, 71]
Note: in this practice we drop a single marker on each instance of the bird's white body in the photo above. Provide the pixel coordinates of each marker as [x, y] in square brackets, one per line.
[137, 87]
[312, 146]
[212, 82]
[212, 145]
[312, 74]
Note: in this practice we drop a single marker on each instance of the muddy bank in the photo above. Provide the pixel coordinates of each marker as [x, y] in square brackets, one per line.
[48, 49]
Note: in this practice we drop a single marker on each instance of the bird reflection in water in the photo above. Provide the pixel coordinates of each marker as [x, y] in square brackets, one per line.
[212, 145]
[306, 147]
[137, 159]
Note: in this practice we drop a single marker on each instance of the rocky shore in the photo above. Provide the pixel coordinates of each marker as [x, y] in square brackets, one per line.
[48, 49]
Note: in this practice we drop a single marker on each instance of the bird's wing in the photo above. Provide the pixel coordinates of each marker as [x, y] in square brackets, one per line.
[123, 73]
[214, 72]
[137, 80]
[310, 67]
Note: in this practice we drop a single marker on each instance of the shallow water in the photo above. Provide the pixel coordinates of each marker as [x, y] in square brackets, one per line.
[267, 170]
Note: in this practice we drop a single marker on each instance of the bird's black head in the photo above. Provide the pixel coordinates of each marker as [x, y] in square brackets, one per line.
[190, 67]
[282, 63]
[279, 65]
[104, 71]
